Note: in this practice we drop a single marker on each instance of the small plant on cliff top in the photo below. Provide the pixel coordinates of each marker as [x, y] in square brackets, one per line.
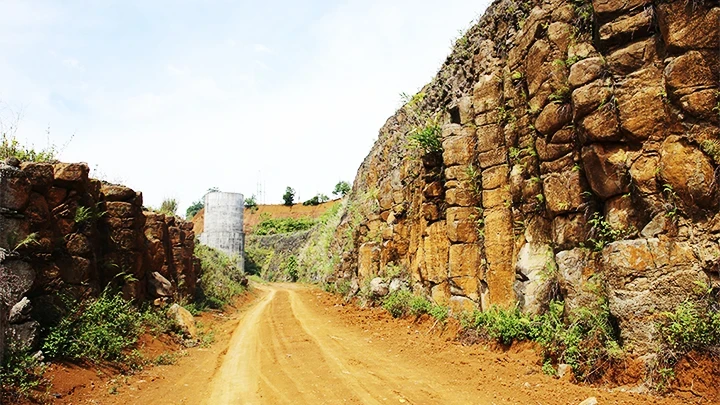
[289, 196]
[11, 147]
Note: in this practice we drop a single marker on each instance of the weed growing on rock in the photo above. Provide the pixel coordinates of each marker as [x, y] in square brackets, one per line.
[604, 233]
[427, 138]
[711, 147]
[90, 215]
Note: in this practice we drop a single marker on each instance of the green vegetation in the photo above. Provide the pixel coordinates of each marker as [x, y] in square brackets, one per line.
[289, 196]
[221, 278]
[20, 371]
[584, 338]
[88, 215]
[274, 226]
[317, 200]
[11, 147]
[403, 302]
[315, 261]
[427, 138]
[342, 188]
[193, 209]
[604, 233]
[98, 329]
[711, 147]
[169, 207]
[561, 95]
[690, 328]
[251, 203]
[290, 267]
[584, 13]
[30, 240]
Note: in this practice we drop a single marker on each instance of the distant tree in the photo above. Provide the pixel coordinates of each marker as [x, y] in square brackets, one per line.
[342, 188]
[169, 207]
[193, 209]
[213, 190]
[251, 202]
[317, 200]
[289, 196]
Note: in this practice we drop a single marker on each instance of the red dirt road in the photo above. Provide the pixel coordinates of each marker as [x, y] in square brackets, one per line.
[297, 345]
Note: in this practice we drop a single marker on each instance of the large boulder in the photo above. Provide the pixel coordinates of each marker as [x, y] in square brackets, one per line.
[535, 268]
[690, 174]
[644, 278]
[185, 321]
[606, 168]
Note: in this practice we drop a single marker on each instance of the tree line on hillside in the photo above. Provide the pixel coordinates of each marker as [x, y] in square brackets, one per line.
[342, 188]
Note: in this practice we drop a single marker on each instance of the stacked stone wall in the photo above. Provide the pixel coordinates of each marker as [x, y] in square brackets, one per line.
[63, 233]
[560, 120]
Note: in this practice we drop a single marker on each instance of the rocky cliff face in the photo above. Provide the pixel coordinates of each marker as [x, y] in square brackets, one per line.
[62, 233]
[580, 146]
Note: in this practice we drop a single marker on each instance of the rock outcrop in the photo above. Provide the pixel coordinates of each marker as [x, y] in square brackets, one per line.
[63, 233]
[580, 145]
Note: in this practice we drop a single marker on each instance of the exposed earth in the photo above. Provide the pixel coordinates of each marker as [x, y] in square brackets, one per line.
[295, 344]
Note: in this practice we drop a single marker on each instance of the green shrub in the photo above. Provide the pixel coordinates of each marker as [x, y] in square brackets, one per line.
[97, 329]
[317, 200]
[193, 209]
[419, 305]
[427, 138]
[89, 215]
[169, 207]
[342, 188]
[397, 303]
[251, 203]
[11, 147]
[289, 196]
[221, 278]
[689, 328]
[584, 338]
[20, 372]
[271, 226]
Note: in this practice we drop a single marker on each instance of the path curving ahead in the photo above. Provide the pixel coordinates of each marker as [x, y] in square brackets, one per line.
[295, 344]
[285, 351]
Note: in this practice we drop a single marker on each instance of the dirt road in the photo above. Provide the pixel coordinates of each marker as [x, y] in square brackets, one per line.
[297, 345]
[283, 352]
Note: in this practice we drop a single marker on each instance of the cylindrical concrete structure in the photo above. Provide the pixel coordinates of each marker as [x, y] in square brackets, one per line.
[224, 222]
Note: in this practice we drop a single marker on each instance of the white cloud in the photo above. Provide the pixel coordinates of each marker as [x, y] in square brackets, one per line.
[72, 63]
[260, 48]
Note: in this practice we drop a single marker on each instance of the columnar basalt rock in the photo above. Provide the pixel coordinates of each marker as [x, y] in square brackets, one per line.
[559, 119]
[62, 232]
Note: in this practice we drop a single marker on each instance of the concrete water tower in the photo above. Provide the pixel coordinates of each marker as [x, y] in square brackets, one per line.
[223, 228]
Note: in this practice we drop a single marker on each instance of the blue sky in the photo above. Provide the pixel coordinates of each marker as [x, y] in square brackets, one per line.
[175, 97]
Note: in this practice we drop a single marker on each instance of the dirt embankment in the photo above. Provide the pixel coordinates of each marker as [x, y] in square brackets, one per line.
[252, 216]
[296, 345]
